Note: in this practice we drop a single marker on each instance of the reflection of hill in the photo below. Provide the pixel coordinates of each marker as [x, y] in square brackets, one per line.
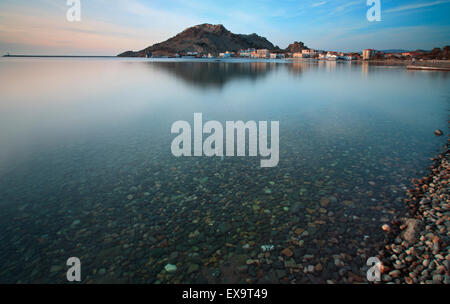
[215, 74]
[296, 68]
[299, 67]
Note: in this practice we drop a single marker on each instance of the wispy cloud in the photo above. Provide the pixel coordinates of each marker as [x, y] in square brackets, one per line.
[343, 7]
[316, 4]
[414, 6]
[37, 29]
[161, 18]
[397, 38]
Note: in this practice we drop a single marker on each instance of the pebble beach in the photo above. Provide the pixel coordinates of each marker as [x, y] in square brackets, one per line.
[420, 250]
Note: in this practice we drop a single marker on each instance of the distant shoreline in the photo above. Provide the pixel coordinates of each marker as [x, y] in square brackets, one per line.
[432, 65]
[57, 56]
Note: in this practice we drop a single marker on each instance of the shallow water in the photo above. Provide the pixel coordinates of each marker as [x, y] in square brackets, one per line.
[86, 168]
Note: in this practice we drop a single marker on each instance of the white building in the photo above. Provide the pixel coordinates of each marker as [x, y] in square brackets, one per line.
[368, 54]
[226, 55]
[263, 53]
[246, 53]
[309, 53]
[333, 57]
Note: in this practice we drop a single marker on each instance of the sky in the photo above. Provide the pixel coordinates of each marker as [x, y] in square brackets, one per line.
[110, 27]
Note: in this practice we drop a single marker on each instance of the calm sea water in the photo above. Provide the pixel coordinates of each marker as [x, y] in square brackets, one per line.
[86, 168]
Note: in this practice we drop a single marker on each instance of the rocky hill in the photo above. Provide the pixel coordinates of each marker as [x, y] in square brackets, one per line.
[296, 47]
[204, 38]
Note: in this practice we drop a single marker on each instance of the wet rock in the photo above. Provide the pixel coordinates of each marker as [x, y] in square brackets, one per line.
[386, 228]
[290, 264]
[193, 268]
[348, 203]
[413, 227]
[394, 273]
[299, 231]
[324, 202]
[310, 211]
[318, 267]
[437, 278]
[438, 132]
[338, 262]
[333, 199]
[287, 252]
[173, 255]
[170, 268]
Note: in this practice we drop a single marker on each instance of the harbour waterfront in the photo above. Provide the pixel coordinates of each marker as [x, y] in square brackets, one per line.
[86, 168]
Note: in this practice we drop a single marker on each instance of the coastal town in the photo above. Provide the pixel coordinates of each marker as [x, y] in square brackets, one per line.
[214, 41]
[310, 54]
[306, 53]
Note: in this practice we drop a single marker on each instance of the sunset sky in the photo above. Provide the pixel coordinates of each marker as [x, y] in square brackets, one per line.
[111, 27]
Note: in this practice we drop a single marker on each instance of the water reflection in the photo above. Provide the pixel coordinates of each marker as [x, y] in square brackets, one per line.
[365, 68]
[106, 188]
[207, 75]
